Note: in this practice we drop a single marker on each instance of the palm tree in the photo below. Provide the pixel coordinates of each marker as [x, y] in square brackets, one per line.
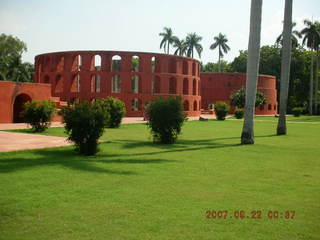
[221, 43]
[247, 136]
[180, 46]
[193, 41]
[311, 39]
[167, 39]
[285, 67]
[295, 35]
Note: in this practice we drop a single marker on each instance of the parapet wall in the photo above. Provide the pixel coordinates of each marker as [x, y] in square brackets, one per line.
[133, 77]
[219, 86]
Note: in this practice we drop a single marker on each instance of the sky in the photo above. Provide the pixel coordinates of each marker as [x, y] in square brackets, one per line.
[134, 25]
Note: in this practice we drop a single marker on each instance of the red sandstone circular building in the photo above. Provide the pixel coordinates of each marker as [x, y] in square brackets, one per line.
[219, 86]
[133, 77]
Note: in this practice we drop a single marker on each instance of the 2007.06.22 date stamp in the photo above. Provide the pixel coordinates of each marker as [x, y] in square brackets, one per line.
[255, 214]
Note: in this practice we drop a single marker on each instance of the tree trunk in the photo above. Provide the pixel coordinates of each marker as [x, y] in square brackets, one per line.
[219, 66]
[247, 136]
[168, 48]
[285, 67]
[316, 85]
[311, 83]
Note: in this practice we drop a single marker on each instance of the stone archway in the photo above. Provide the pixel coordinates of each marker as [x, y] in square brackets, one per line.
[19, 101]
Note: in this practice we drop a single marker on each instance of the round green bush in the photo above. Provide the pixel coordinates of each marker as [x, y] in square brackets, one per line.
[38, 114]
[115, 109]
[221, 109]
[166, 118]
[84, 123]
[238, 113]
[297, 111]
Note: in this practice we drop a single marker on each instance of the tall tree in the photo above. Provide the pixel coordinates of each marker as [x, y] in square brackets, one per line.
[317, 23]
[180, 46]
[295, 35]
[311, 38]
[11, 66]
[285, 67]
[167, 39]
[193, 41]
[220, 41]
[247, 136]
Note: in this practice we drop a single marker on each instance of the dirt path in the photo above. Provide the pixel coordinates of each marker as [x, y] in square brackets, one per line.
[11, 141]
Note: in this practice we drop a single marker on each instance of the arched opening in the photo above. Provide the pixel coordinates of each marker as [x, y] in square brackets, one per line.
[185, 67]
[199, 88]
[135, 64]
[75, 84]
[186, 105]
[261, 108]
[96, 63]
[156, 84]
[47, 64]
[77, 62]
[135, 83]
[46, 79]
[269, 107]
[116, 63]
[172, 85]
[60, 64]
[153, 64]
[172, 65]
[194, 87]
[95, 83]
[275, 107]
[116, 84]
[193, 69]
[18, 106]
[185, 86]
[135, 104]
[195, 106]
[58, 84]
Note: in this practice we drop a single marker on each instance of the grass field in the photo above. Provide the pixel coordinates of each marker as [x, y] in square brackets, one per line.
[134, 189]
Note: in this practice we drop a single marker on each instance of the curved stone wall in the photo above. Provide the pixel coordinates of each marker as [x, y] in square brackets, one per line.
[219, 86]
[133, 77]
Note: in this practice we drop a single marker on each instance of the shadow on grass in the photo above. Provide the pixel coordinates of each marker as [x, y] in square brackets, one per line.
[67, 157]
[70, 159]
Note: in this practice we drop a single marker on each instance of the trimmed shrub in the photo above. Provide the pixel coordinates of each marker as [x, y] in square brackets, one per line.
[166, 118]
[238, 113]
[38, 114]
[221, 109]
[297, 111]
[115, 110]
[84, 123]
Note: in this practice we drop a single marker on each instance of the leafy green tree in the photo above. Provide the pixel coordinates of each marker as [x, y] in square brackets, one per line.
[213, 67]
[285, 67]
[220, 41]
[238, 98]
[180, 46]
[193, 41]
[295, 35]
[167, 39]
[11, 66]
[247, 136]
[311, 39]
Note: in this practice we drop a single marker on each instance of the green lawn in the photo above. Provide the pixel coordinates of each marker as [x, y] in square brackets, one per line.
[134, 189]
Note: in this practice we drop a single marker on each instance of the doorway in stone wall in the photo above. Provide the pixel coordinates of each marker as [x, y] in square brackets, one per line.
[19, 101]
